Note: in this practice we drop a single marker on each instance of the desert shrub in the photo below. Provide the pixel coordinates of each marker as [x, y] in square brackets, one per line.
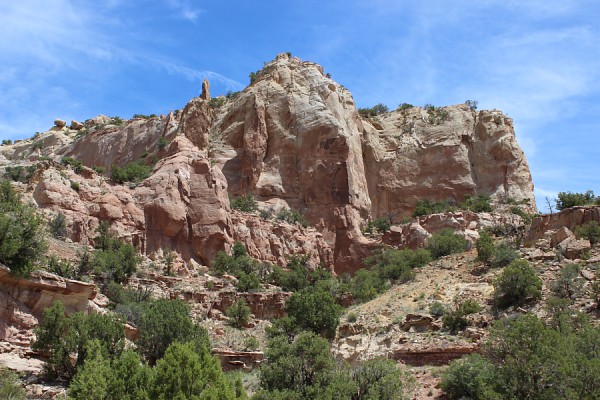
[291, 217]
[504, 255]
[404, 106]
[61, 267]
[216, 102]
[238, 313]
[455, 320]
[75, 186]
[516, 284]
[425, 207]
[299, 274]
[6, 142]
[114, 258]
[164, 322]
[527, 218]
[367, 284]
[568, 283]
[437, 309]
[135, 172]
[245, 203]
[568, 199]
[143, 116]
[58, 226]
[10, 385]
[20, 173]
[470, 377]
[446, 242]
[377, 109]
[118, 121]
[99, 169]
[472, 104]
[249, 271]
[74, 163]
[315, 310]
[162, 143]
[589, 231]
[485, 247]
[22, 242]
[436, 115]
[185, 372]
[379, 224]
[300, 369]
[480, 203]
[253, 76]
[65, 339]
[231, 95]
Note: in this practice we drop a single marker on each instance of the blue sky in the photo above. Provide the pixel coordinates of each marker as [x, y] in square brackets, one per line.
[537, 60]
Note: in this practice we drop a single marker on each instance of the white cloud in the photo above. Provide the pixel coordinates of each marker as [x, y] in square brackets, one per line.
[186, 9]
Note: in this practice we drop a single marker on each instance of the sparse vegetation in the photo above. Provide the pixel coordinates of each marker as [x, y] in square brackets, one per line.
[22, 242]
[74, 163]
[10, 385]
[238, 313]
[589, 231]
[135, 172]
[113, 258]
[404, 106]
[472, 104]
[20, 173]
[58, 226]
[454, 319]
[249, 272]
[568, 199]
[516, 285]
[217, 102]
[162, 143]
[436, 115]
[374, 111]
[244, 203]
[446, 242]
[379, 224]
[291, 217]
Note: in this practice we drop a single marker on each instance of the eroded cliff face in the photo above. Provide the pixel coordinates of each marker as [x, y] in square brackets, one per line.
[408, 158]
[293, 138]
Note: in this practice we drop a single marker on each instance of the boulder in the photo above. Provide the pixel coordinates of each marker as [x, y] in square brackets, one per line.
[76, 125]
[59, 123]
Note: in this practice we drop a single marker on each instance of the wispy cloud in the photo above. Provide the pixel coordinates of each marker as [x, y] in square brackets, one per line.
[186, 9]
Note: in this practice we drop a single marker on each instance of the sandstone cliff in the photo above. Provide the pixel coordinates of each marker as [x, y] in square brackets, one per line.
[293, 138]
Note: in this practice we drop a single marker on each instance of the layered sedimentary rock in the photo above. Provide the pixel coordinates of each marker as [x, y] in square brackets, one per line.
[292, 138]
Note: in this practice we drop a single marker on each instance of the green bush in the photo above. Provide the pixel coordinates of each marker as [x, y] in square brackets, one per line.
[315, 310]
[77, 165]
[527, 218]
[22, 242]
[380, 224]
[374, 111]
[504, 255]
[516, 284]
[301, 369]
[186, 373]
[568, 199]
[471, 377]
[247, 270]
[216, 102]
[75, 186]
[164, 322]
[589, 231]
[245, 203]
[238, 313]
[454, 319]
[6, 142]
[135, 172]
[568, 283]
[61, 268]
[472, 104]
[58, 226]
[437, 309]
[19, 173]
[480, 203]
[162, 143]
[437, 115]
[118, 121]
[425, 207]
[291, 217]
[404, 106]
[446, 242]
[485, 247]
[65, 339]
[10, 385]
[299, 274]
